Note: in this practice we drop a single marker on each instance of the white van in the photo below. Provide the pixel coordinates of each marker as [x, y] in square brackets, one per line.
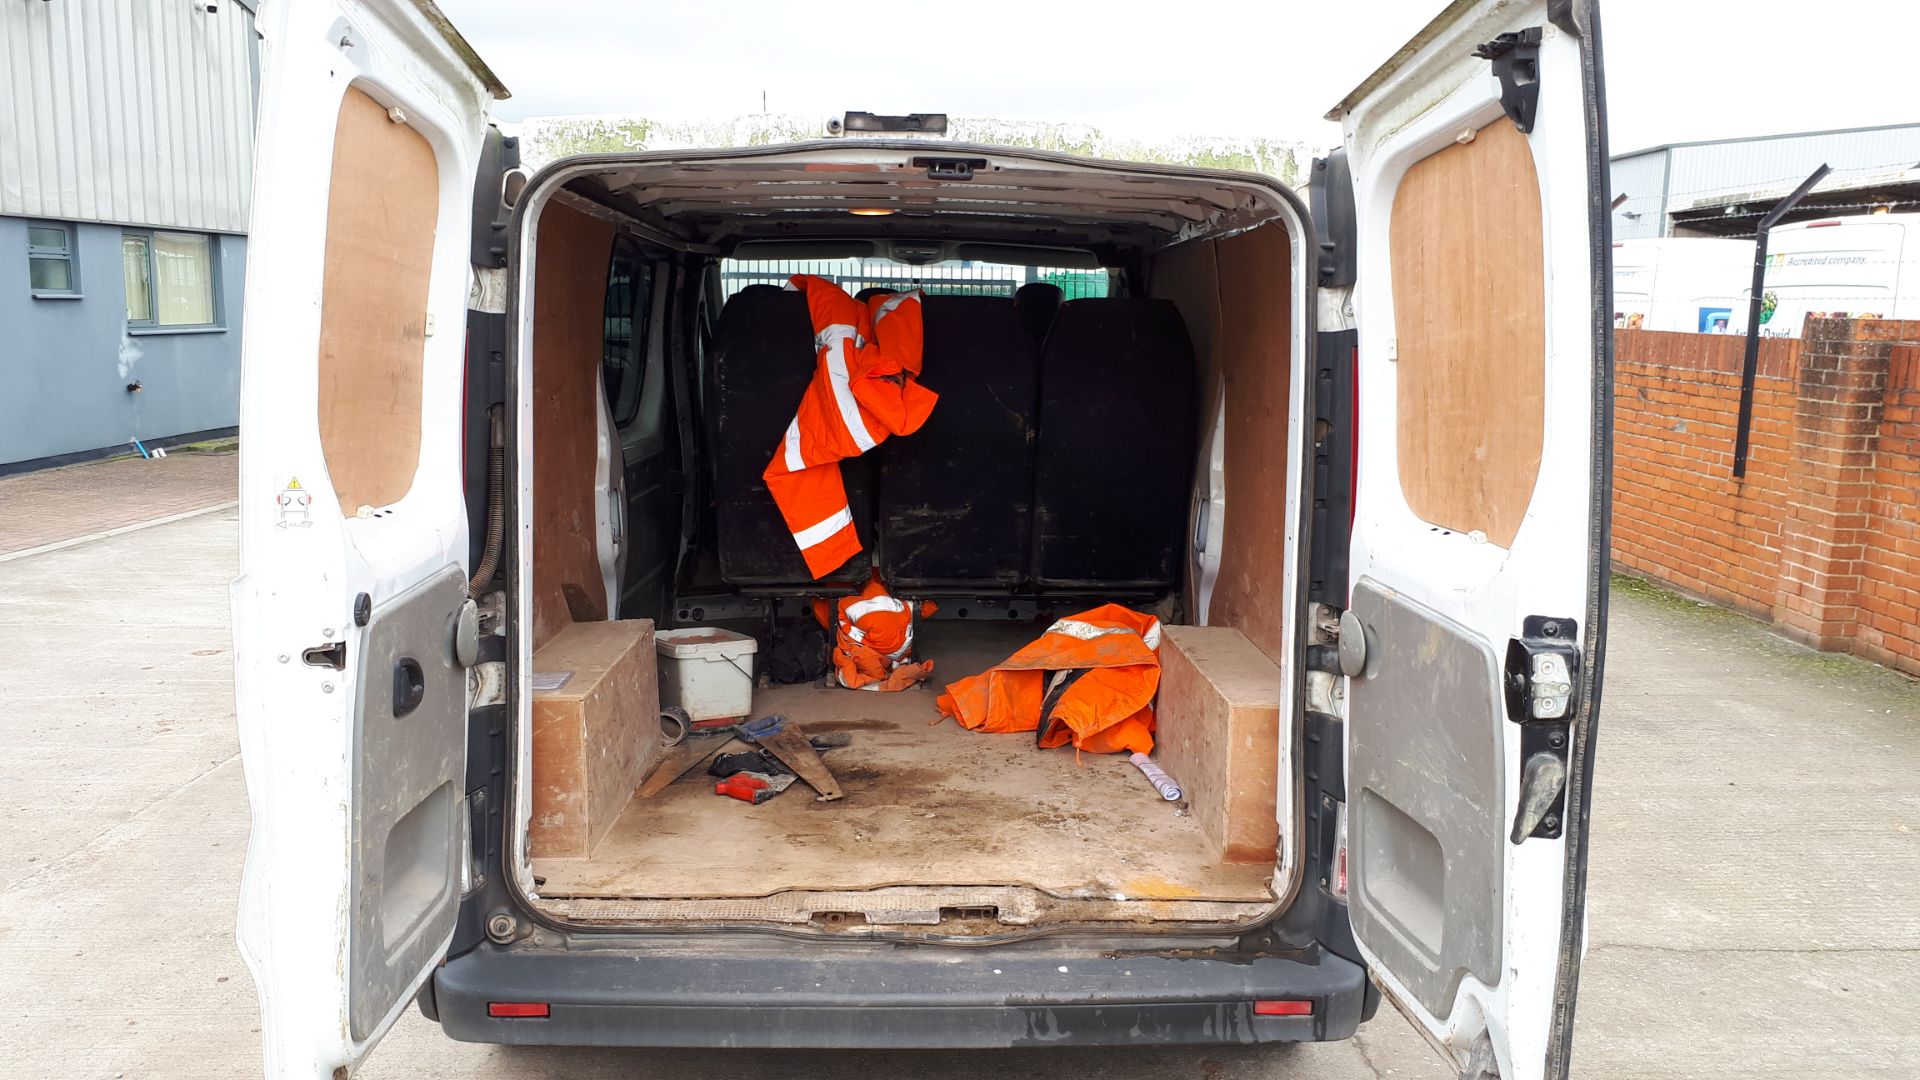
[1688, 284]
[1371, 436]
[1853, 267]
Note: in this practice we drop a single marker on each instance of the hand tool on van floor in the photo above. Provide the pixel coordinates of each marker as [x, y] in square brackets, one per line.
[788, 743]
[752, 787]
[676, 761]
[679, 760]
[764, 761]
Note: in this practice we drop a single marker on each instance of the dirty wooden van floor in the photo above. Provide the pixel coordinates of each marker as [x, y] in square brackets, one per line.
[926, 805]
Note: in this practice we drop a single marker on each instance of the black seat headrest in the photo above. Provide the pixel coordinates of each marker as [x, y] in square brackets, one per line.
[759, 290]
[1037, 302]
[872, 291]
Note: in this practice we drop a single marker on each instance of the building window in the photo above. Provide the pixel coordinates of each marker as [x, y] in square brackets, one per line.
[170, 280]
[50, 269]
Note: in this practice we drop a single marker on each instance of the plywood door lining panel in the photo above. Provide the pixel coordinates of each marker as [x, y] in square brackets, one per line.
[572, 252]
[383, 202]
[1469, 303]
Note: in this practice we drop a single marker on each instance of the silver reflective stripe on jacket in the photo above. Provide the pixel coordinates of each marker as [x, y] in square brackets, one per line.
[1086, 631]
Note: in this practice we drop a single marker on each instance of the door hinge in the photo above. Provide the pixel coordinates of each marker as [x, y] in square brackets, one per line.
[1516, 63]
[1543, 692]
[487, 684]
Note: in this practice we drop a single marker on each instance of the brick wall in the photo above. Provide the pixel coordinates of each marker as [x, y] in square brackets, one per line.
[1822, 536]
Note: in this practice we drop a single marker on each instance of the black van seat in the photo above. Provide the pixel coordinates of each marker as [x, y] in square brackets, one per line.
[761, 362]
[1037, 302]
[1114, 461]
[955, 496]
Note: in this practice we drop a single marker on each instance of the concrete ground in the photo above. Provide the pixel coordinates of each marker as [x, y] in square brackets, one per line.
[1753, 879]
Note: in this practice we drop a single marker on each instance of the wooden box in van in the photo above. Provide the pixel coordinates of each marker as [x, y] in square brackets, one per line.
[595, 736]
[1219, 736]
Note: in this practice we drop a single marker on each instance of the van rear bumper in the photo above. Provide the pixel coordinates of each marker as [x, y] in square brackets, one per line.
[779, 994]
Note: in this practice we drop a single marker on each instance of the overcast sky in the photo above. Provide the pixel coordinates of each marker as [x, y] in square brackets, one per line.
[1676, 69]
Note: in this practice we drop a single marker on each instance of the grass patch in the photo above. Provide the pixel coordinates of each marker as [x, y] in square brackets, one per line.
[208, 446]
[1837, 666]
[1660, 596]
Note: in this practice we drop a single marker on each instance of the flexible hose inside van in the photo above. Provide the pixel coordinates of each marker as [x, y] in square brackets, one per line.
[496, 513]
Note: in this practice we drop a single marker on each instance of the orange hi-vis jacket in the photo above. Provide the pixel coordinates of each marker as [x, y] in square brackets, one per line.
[864, 389]
[873, 638]
[1090, 678]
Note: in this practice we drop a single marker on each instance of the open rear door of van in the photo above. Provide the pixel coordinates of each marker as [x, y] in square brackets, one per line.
[352, 628]
[1479, 550]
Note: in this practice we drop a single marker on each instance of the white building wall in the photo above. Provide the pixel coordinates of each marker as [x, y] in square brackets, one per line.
[130, 111]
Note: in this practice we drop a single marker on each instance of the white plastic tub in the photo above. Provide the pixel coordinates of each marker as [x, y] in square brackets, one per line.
[706, 671]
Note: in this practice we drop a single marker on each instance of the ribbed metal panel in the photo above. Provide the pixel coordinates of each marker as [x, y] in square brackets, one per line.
[1714, 171]
[130, 111]
[1638, 177]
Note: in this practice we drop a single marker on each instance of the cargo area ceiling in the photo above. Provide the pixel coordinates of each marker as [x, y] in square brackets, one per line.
[934, 192]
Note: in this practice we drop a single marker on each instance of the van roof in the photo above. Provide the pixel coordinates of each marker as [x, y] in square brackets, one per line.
[897, 189]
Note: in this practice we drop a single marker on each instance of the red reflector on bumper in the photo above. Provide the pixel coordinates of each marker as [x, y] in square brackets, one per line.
[517, 1009]
[1283, 1008]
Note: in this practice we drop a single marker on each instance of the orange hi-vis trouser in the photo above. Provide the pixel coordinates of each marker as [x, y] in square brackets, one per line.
[873, 638]
[864, 389]
[1089, 679]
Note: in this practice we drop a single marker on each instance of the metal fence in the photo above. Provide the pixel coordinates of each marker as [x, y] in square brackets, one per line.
[943, 279]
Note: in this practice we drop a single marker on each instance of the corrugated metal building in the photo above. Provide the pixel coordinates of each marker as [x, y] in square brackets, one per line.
[1704, 188]
[126, 159]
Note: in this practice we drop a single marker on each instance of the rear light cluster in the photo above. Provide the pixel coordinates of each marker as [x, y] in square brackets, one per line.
[518, 1010]
[1283, 1007]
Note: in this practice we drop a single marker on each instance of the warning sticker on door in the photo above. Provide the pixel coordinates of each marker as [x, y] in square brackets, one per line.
[293, 502]
[550, 680]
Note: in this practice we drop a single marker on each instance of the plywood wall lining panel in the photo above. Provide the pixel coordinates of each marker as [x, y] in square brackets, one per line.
[1236, 297]
[569, 298]
[1469, 304]
[1256, 355]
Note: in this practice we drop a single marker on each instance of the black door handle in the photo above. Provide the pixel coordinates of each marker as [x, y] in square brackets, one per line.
[409, 686]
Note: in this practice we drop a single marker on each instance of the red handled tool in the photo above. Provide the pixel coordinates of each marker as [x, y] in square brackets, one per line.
[747, 787]
[752, 787]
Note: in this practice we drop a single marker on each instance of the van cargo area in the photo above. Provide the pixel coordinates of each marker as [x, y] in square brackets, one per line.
[1033, 834]
[1123, 432]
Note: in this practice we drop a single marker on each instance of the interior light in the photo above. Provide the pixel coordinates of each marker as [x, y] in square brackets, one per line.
[871, 211]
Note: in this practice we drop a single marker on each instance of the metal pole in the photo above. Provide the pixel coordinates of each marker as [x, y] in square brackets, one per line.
[1750, 367]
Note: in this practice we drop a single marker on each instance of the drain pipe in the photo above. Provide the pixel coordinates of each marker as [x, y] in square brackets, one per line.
[1750, 366]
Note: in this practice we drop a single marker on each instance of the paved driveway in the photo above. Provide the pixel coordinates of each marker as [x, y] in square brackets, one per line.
[1754, 881]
